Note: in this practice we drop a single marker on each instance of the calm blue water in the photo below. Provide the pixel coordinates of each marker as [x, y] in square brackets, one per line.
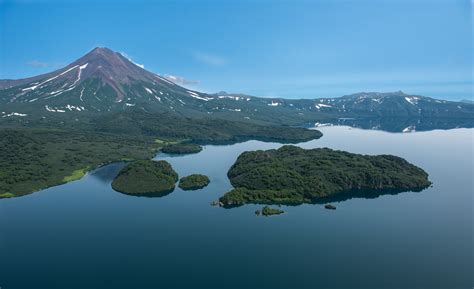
[85, 235]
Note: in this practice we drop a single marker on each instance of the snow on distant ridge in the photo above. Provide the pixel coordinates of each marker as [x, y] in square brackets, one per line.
[53, 109]
[195, 95]
[276, 103]
[48, 80]
[79, 73]
[13, 114]
[148, 90]
[129, 59]
[412, 100]
[319, 105]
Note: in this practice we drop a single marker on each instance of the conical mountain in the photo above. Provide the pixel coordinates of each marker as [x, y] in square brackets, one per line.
[101, 80]
[106, 81]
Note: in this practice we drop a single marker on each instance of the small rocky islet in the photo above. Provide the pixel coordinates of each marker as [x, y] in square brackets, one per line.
[329, 207]
[268, 211]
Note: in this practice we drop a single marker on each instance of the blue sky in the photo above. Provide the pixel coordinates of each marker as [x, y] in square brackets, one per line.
[294, 49]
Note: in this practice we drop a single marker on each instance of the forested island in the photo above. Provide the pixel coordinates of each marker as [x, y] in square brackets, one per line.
[292, 175]
[194, 182]
[146, 177]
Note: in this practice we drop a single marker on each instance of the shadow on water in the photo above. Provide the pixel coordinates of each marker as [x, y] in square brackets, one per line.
[150, 195]
[341, 197]
[162, 155]
[107, 173]
[241, 139]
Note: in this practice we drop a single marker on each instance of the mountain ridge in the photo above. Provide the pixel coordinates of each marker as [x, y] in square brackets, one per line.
[106, 81]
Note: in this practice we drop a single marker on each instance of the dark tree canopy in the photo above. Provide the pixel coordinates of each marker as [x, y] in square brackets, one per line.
[294, 175]
[146, 177]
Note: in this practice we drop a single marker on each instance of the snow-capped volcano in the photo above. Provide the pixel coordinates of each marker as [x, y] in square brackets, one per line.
[107, 81]
[100, 80]
[111, 67]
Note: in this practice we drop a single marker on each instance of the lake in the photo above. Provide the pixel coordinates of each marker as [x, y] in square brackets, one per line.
[85, 235]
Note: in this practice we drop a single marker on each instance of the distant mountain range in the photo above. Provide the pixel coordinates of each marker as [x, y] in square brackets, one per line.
[104, 108]
[104, 81]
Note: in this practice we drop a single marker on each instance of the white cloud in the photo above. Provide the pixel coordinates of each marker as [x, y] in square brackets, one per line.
[37, 63]
[180, 80]
[209, 59]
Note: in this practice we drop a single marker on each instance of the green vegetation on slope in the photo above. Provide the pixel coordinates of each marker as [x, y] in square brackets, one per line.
[181, 148]
[200, 130]
[193, 182]
[146, 177]
[33, 159]
[292, 175]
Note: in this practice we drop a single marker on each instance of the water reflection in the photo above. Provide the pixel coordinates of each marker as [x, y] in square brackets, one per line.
[401, 124]
[363, 194]
[410, 240]
[341, 197]
[150, 195]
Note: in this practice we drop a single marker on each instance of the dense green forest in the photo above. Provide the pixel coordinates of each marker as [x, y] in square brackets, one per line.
[49, 151]
[194, 182]
[198, 130]
[32, 159]
[292, 175]
[181, 148]
[167, 126]
[146, 177]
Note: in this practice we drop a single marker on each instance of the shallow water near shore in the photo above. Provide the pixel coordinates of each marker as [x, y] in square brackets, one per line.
[85, 235]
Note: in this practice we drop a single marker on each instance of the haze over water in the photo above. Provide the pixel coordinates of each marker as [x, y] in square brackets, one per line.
[85, 235]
